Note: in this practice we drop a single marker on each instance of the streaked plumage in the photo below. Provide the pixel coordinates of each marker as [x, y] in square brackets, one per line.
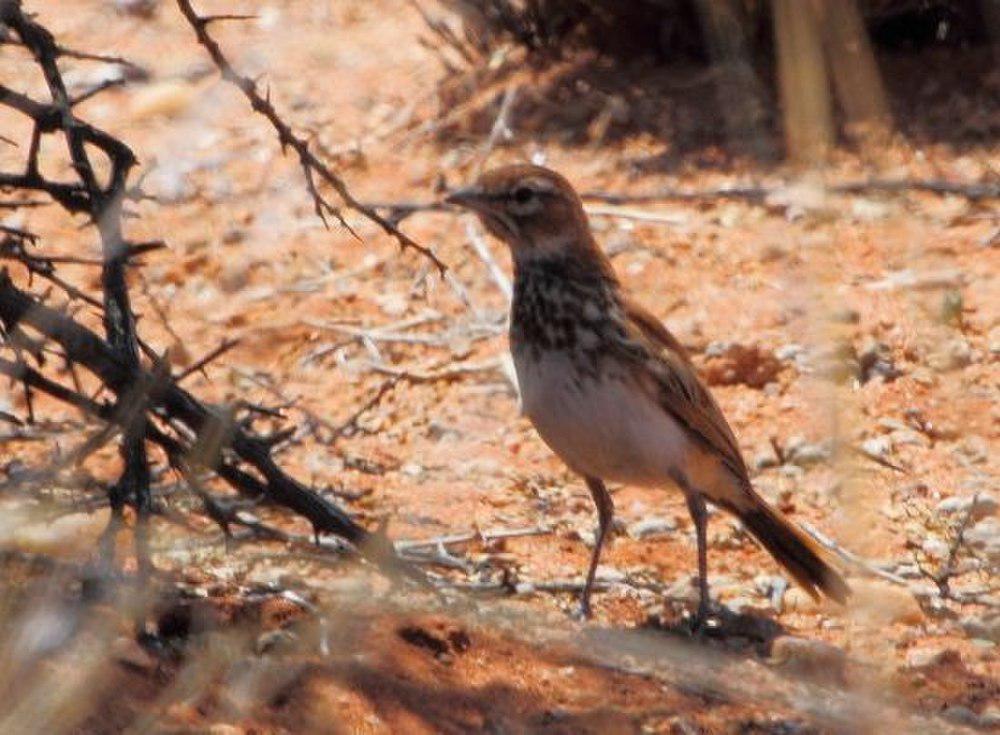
[607, 386]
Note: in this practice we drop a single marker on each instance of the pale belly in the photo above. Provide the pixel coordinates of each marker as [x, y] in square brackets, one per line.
[605, 429]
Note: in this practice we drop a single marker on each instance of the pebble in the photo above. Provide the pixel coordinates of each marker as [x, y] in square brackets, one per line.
[796, 599]
[924, 377]
[993, 340]
[791, 470]
[814, 658]
[975, 448]
[138, 8]
[961, 715]
[412, 469]
[920, 658]
[953, 355]
[651, 527]
[807, 455]
[935, 547]
[982, 627]
[846, 316]
[681, 591]
[990, 718]
[792, 352]
[985, 536]
[765, 459]
[981, 506]
[877, 446]
[875, 359]
[880, 602]
[610, 575]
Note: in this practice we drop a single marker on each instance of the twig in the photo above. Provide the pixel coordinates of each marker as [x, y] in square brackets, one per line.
[181, 407]
[942, 578]
[452, 372]
[199, 366]
[761, 194]
[482, 250]
[851, 557]
[670, 218]
[499, 129]
[104, 204]
[312, 167]
[477, 535]
[878, 459]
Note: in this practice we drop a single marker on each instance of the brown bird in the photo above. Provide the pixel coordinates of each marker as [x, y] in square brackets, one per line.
[609, 389]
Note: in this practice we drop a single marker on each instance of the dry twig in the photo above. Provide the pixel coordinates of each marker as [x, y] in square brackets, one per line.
[312, 167]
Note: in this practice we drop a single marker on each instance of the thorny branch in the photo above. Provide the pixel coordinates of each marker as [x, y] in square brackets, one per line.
[104, 205]
[312, 167]
[147, 405]
[173, 404]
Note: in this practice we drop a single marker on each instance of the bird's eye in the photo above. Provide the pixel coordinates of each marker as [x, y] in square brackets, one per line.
[522, 194]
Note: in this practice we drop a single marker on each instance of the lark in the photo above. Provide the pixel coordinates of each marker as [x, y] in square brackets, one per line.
[609, 389]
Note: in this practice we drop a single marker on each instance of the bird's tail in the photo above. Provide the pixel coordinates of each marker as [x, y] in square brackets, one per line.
[795, 551]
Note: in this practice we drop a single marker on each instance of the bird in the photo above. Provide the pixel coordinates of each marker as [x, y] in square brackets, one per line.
[610, 390]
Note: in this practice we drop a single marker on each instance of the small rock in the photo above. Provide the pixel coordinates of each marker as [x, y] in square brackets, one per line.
[233, 235]
[412, 469]
[984, 647]
[791, 470]
[875, 359]
[993, 341]
[651, 527]
[234, 277]
[798, 600]
[222, 728]
[807, 455]
[682, 591]
[879, 603]
[817, 659]
[980, 505]
[985, 536]
[935, 547]
[741, 604]
[953, 355]
[920, 658]
[961, 715]
[990, 718]
[609, 575]
[975, 448]
[392, 304]
[952, 306]
[878, 446]
[790, 352]
[764, 459]
[734, 364]
[137, 8]
[982, 627]
[846, 316]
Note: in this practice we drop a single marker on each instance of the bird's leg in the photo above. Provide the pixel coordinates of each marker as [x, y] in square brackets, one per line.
[605, 514]
[699, 514]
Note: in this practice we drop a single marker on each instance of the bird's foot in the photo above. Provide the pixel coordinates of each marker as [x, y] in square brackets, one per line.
[707, 620]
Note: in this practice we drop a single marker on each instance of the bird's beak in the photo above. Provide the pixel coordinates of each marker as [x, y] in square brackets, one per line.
[470, 197]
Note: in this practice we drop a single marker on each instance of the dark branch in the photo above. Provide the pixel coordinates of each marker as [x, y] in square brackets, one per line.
[312, 167]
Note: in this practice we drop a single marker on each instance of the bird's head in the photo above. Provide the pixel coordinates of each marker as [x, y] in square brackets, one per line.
[531, 208]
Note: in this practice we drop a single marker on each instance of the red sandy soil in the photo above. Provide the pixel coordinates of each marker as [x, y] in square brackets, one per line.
[248, 259]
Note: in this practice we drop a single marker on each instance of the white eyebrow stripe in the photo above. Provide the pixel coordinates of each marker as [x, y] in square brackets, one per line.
[539, 184]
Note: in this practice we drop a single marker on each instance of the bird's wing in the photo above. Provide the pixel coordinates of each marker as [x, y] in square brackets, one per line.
[681, 393]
